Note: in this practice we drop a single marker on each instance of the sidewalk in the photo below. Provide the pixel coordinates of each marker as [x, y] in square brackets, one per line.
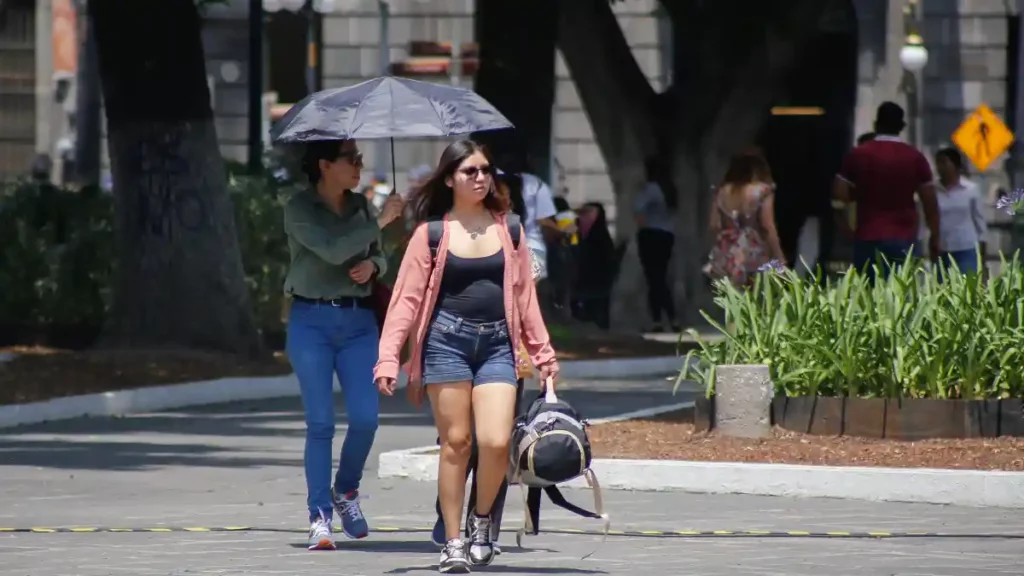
[241, 465]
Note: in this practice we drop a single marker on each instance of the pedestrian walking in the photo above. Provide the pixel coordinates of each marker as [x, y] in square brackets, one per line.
[742, 222]
[882, 176]
[514, 185]
[595, 277]
[332, 329]
[655, 239]
[961, 222]
[467, 310]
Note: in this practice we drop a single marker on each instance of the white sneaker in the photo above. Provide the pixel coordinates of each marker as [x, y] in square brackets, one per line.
[481, 549]
[453, 558]
[320, 535]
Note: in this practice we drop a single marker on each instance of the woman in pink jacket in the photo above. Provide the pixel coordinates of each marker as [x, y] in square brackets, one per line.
[466, 314]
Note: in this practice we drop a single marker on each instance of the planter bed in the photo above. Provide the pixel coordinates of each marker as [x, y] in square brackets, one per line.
[674, 436]
[896, 419]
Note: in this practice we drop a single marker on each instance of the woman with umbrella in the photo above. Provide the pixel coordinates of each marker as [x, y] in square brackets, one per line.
[470, 306]
[332, 328]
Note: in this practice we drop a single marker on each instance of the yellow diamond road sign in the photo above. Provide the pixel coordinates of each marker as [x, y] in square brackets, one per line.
[983, 137]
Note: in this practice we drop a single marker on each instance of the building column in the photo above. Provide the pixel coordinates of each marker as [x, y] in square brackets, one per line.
[44, 76]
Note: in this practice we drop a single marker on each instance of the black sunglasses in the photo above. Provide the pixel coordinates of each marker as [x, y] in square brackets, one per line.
[354, 158]
[472, 171]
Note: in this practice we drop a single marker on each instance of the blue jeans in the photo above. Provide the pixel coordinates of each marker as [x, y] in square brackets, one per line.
[457, 350]
[867, 252]
[324, 339]
[966, 260]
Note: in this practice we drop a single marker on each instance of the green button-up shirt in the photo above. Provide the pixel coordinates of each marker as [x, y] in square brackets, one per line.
[324, 246]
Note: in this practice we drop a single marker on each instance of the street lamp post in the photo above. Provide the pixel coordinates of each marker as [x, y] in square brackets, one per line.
[913, 58]
[255, 85]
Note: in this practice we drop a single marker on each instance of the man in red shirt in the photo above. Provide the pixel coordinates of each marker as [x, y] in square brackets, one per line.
[882, 176]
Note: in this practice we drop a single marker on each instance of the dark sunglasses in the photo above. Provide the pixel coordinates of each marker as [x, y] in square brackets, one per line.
[472, 171]
[354, 158]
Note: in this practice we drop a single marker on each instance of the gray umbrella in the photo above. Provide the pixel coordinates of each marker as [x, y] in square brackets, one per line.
[388, 107]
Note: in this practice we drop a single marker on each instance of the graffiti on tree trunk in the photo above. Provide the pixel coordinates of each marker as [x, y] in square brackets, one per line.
[168, 199]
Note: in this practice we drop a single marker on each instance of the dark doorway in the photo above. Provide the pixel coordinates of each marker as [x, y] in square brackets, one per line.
[287, 50]
[808, 135]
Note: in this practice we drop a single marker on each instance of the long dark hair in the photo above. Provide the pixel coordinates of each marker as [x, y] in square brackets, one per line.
[435, 198]
[329, 150]
[746, 169]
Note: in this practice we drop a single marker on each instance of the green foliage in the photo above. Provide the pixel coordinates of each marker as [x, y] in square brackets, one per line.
[57, 252]
[912, 335]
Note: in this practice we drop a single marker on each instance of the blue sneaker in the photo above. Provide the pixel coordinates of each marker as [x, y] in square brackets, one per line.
[353, 523]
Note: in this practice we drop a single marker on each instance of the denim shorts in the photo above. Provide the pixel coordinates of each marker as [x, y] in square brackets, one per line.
[458, 350]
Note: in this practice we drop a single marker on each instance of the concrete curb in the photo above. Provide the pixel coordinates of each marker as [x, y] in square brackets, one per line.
[121, 402]
[919, 485]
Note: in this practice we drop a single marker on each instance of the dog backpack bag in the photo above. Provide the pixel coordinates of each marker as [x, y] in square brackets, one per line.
[550, 446]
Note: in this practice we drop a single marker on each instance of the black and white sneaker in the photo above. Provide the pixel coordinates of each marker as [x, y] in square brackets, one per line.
[481, 549]
[453, 558]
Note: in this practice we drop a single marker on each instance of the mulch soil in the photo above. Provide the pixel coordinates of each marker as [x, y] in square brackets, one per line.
[42, 373]
[584, 343]
[672, 437]
[39, 373]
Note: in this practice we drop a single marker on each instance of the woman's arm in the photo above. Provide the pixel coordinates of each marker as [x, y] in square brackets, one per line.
[378, 258]
[534, 335]
[715, 217]
[766, 214]
[406, 303]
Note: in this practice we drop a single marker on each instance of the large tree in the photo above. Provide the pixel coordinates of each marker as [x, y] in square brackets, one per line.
[180, 281]
[729, 62]
[517, 74]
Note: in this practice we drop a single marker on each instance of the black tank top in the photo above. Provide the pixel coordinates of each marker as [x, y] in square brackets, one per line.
[474, 288]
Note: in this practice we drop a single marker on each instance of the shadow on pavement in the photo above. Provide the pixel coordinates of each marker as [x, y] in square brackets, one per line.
[124, 456]
[502, 569]
[241, 434]
[407, 546]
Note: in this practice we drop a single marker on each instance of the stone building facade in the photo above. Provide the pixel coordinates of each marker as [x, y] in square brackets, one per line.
[971, 45]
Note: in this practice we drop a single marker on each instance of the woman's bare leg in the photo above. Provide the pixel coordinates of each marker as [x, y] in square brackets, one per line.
[494, 413]
[452, 406]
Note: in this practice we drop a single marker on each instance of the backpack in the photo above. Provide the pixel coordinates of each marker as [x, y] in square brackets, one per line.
[549, 447]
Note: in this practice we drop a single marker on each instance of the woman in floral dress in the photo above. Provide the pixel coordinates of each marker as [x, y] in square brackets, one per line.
[743, 222]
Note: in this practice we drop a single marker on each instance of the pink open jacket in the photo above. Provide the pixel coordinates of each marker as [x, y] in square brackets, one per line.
[415, 295]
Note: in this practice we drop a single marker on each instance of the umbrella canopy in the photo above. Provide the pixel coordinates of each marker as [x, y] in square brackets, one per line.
[388, 107]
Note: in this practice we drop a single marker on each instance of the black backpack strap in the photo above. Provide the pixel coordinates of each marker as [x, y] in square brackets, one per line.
[435, 229]
[514, 228]
[558, 499]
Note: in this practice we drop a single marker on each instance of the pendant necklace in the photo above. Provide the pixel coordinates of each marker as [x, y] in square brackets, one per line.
[473, 233]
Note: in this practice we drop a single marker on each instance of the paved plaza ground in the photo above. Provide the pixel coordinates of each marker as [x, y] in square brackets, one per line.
[241, 465]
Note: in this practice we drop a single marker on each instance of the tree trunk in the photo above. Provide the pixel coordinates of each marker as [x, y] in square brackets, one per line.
[618, 101]
[729, 62]
[180, 281]
[518, 76]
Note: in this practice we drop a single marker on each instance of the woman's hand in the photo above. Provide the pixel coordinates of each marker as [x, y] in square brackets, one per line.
[362, 272]
[386, 386]
[549, 371]
[392, 209]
